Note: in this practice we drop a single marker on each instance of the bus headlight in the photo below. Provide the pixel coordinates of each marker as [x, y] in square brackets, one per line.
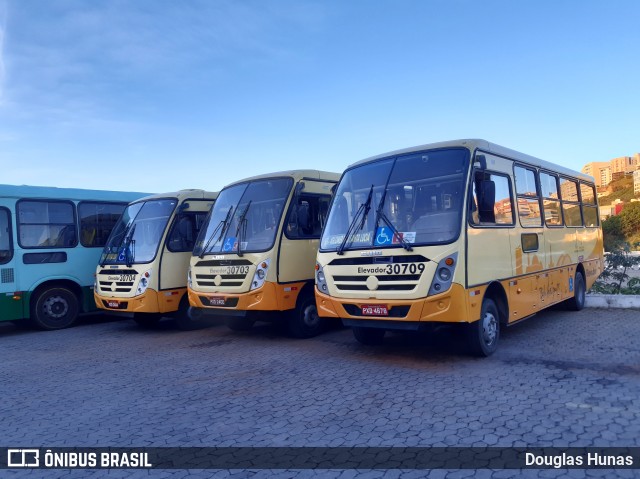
[260, 274]
[444, 275]
[321, 282]
[189, 282]
[143, 284]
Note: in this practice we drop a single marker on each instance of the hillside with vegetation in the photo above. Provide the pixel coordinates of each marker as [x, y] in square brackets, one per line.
[624, 227]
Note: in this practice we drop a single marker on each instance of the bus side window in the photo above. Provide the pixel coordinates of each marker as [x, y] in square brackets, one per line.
[183, 234]
[307, 216]
[491, 201]
[5, 236]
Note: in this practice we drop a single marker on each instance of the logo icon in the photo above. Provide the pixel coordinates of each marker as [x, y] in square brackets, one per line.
[384, 236]
[230, 244]
[23, 457]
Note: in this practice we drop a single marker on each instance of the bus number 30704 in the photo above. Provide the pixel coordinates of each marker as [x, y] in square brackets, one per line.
[411, 268]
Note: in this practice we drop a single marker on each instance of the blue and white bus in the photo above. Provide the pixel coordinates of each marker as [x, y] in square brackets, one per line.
[50, 243]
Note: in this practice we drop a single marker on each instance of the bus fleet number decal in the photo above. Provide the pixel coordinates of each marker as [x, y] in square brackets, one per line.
[411, 268]
[230, 270]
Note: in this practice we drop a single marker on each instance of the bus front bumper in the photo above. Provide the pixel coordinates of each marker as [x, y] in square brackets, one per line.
[452, 306]
[149, 302]
[234, 304]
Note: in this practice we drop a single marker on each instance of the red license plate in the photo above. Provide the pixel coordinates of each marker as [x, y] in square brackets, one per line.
[374, 310]
[113, 304]
[216, 301]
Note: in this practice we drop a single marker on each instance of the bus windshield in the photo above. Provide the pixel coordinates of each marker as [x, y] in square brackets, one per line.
[414, 199]
[138, 232]
[244, 218]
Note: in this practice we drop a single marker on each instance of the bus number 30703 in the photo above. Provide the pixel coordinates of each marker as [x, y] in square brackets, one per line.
[411, 268]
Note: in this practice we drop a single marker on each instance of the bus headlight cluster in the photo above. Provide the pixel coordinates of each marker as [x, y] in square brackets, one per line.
[444, 275]
[143, 284]
[189, 282]
[260, 274]
[321, 282]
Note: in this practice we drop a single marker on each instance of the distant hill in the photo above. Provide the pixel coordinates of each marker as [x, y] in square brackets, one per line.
[619, 189]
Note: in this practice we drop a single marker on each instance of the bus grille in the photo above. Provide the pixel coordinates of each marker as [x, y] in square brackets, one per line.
[225, 279]
[7, 275]
[406, 278]
[400, 282]
[110, 286]
[224, 262]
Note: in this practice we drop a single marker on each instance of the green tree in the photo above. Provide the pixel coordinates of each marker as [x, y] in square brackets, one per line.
[612, 233]
[630, 219]
[612, 280]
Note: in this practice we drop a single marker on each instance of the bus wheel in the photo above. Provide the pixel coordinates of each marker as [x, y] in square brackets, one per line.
[484, 334]
[54, 308]
[304, 321]
[369, 336]
[579, 293]
[184, 321]
[239, 323]
[147, 320]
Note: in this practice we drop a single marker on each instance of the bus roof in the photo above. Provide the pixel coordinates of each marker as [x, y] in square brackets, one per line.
[26, 191]
[189, 194]
[295, 174]
[473, 144]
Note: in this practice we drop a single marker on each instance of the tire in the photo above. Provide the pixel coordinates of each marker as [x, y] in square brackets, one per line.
[54, 308]
[579, 293]
[147, 320]
[184, 321]
[240, 323]
[483, 335]
[369, 336]
[304, 321]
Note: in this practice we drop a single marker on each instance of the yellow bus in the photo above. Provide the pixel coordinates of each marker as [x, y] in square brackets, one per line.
[143, 267]
[255, 256]
[456, 232]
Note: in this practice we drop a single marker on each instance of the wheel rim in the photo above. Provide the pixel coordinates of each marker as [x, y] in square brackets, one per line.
[310, 316]
[489, 328]
[56, 307]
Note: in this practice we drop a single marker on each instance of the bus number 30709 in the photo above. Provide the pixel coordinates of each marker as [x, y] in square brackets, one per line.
[411, 268]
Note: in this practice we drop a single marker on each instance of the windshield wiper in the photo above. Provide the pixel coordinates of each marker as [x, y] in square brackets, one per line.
[242, 227]
[129, 255]
[223, 226]
[364, 210]
[125, 235]
[380, 215]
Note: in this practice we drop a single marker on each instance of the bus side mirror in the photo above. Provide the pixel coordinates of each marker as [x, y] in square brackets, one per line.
[486, 201]
[480, 163]
[184, 206]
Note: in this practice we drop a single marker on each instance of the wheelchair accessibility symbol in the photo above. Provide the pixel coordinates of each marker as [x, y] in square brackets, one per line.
[229, 244]
[384, 236]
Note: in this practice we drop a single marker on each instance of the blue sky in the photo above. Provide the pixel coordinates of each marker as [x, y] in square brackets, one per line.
[159, 95]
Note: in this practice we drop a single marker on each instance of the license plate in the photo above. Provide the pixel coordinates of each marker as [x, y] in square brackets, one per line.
[374, 310]
[113, 304]
[216, 301]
